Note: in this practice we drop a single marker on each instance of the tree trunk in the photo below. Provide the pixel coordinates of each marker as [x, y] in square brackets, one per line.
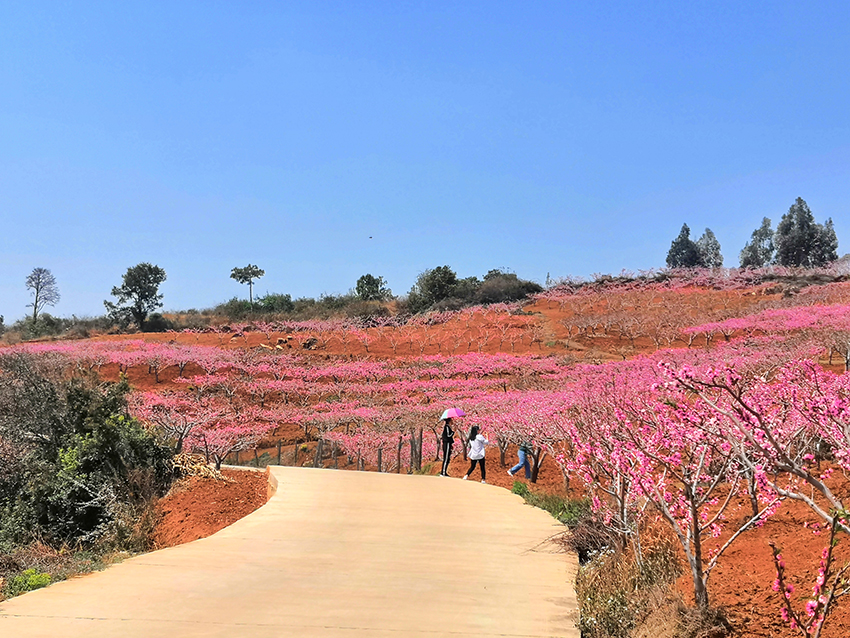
[537, 456]
[751, 491]
[380, 458]
[317, 461]
[398, 457]
[700, 591]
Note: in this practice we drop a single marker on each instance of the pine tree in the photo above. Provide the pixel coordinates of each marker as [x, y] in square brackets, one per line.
[709, 250]
[802, 242]
[758, 252]
[683, 251]
[796, 235]
[826, 247]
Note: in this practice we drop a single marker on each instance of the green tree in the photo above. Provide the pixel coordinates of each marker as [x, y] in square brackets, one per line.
[709, 250]
[43, 287]
[759, 251]
[825, 249]
[467, 289]
[432, 286]
[247, 275]
[683, 251]
[802, 242]
[138, 295]
[370, 288]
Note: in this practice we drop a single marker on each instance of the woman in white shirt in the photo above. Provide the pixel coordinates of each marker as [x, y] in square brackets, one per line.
[476, 453]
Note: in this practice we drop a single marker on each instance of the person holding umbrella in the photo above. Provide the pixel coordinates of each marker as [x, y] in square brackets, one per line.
[448, 436]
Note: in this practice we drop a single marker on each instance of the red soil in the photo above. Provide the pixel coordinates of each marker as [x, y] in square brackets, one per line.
[198, 507]
[741, 583]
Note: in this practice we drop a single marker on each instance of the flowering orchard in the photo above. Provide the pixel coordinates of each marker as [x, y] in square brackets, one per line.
[708, 440]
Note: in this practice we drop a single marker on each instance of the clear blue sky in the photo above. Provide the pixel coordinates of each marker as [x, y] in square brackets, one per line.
[567, 138]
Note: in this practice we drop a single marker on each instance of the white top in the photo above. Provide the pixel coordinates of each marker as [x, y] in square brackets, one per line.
[476, 448]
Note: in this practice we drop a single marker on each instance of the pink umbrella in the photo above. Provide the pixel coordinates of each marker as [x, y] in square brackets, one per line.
[451, 413]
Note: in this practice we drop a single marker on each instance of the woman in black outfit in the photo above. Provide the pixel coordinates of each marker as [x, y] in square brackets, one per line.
[448, 440]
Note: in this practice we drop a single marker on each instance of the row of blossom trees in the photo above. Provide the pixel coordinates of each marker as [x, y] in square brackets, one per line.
[693, 438]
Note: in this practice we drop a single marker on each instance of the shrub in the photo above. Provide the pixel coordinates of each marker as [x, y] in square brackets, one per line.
[77, 469]
[616, 591]
[157, 323]
[235, 308]
[275, 303]
[500, 287]
[28, 580]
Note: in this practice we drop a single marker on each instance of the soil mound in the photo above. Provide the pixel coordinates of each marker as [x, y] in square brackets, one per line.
[198, 507]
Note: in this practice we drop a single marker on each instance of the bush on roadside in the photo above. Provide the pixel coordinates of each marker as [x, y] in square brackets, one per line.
[77, 470]
[616, 591]
[28, 580]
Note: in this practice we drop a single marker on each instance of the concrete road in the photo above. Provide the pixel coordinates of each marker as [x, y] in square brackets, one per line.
[333, 554]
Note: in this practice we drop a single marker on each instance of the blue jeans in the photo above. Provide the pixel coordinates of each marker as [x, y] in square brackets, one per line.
[523, 462]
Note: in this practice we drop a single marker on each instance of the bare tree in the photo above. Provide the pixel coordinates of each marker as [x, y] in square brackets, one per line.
[44, 289]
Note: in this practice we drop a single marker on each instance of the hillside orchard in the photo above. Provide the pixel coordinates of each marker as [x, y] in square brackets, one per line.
[703, 405]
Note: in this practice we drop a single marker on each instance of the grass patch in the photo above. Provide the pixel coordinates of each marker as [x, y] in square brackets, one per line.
[27, 568]
[568, 511]
[616, 593]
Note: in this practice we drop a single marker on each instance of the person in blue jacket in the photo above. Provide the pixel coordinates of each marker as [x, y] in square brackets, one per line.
[523, 452]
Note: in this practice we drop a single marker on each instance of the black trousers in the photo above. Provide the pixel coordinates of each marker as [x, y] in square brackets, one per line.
[481, 465]
[447, 456]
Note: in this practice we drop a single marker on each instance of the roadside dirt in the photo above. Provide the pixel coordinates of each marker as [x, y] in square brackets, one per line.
[199, 507]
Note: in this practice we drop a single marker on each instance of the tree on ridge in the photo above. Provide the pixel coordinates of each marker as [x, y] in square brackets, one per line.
[802, 242]
[709, 250]
[759, 251]
[371, 288]
[683, 251]
[44, 289]
[138, 294]
[247, 275]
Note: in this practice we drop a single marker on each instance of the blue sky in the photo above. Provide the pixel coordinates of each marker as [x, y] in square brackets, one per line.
[325, 140]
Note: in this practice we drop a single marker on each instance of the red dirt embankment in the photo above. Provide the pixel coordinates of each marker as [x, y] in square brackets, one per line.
[198, 507]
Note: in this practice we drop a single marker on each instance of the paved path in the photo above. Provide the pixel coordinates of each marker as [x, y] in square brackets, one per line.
[332, 554]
